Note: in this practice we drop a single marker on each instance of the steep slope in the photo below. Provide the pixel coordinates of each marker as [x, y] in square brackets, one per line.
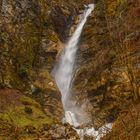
[32, 35]
[107, 74]
[108, 61]
[29, 43]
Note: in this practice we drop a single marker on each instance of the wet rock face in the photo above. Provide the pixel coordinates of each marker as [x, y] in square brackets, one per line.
[61, 22]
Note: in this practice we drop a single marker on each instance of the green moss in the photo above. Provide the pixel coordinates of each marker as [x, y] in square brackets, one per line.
[32, 42]
[15, 82]
[23, 72]
[17, 115]
[29, 101]
[53, 38]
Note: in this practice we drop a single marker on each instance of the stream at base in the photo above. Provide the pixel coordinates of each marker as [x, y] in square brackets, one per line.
[89, 131]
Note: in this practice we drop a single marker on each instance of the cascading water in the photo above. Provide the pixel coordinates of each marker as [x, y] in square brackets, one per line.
[63, 75]
[64, 72]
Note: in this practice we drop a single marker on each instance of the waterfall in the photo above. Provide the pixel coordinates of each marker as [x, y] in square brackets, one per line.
[64, 72]
[63, 75]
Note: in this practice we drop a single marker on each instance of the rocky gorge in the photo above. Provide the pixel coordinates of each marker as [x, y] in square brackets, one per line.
[33, 34]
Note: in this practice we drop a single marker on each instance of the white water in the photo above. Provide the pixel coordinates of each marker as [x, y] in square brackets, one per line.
[64, 72]
[63, 76]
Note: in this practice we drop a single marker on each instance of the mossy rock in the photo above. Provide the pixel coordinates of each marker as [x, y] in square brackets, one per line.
[16, 112]
[23, 72]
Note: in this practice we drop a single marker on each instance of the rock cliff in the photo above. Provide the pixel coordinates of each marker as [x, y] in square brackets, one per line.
[32, 36]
